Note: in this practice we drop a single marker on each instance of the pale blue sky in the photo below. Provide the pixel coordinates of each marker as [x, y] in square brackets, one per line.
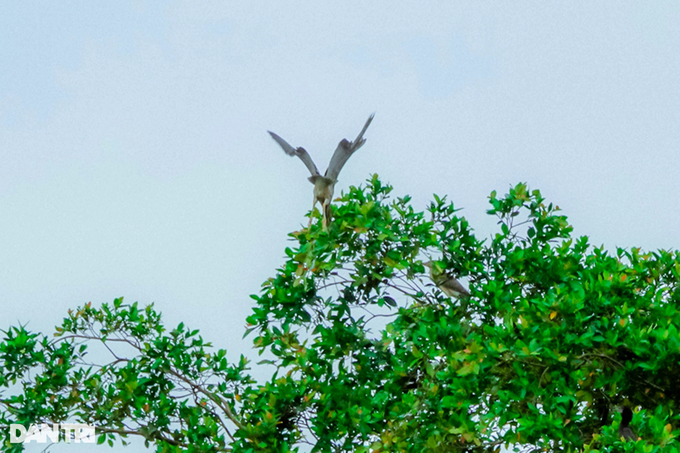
[134, 158]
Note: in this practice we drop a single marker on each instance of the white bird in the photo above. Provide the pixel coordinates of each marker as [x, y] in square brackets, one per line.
[324, 185]
[446, 282]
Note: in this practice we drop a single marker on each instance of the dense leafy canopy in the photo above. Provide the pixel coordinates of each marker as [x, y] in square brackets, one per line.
[368, 355]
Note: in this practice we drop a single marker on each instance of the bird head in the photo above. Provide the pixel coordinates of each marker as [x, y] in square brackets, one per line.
[429, 265]
[437, 271]
[433, 267]
[626, 414]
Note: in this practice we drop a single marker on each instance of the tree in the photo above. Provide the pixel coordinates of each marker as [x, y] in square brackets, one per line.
[370, 356]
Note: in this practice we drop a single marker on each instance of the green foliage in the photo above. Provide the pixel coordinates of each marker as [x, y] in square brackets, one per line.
[556, 334]
[161, 385]
[369, 355]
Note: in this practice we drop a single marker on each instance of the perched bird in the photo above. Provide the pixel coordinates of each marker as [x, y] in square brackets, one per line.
[624, 428]
[447, 283]
[324, 185]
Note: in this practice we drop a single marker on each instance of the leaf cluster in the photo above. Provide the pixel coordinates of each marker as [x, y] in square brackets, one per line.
[556, 335]
[368, 354]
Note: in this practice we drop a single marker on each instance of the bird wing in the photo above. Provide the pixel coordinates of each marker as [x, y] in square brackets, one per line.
[360, 138]
[299, 152]
[344, 150]
[627, 433]
[454, 285]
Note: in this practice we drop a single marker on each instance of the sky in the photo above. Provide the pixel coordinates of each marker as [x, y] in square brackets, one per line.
[134, 158]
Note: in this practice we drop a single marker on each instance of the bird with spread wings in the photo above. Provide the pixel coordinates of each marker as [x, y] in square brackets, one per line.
[324, 185]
